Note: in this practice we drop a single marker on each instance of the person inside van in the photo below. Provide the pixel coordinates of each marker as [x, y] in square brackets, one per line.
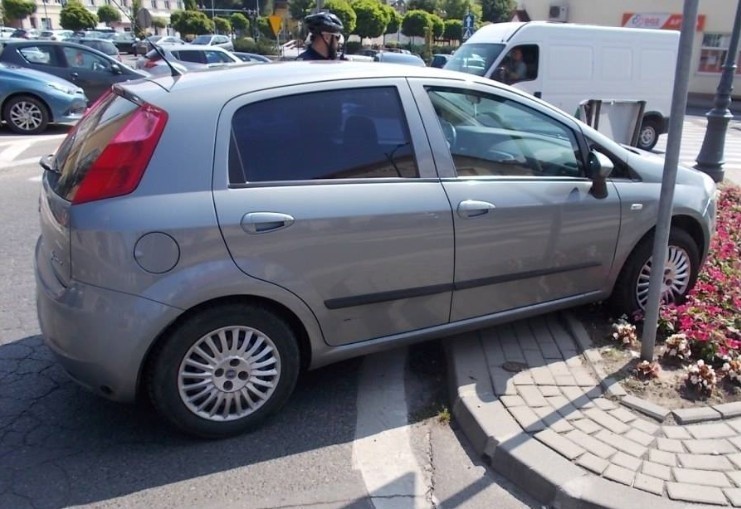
[515, 69]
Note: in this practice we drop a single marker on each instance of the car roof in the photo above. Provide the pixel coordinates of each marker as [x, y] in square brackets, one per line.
[250, 78]
[181, 47]
[36, 42]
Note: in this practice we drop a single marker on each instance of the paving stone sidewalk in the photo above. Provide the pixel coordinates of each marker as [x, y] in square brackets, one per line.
[530, 400]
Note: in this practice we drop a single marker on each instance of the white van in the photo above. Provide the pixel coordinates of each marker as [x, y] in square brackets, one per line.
[566, 64]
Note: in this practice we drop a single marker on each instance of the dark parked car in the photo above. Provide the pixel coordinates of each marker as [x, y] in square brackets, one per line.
[205, 239]
[103, 45]
[87, 68]
[123, 41]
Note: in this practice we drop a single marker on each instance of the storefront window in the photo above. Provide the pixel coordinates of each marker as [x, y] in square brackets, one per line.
[713, 53]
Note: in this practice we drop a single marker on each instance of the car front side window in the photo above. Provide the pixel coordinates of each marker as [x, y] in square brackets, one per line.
[342, 134]
[494, 136]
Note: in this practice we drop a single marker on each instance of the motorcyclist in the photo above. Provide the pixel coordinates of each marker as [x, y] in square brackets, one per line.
[325, 31]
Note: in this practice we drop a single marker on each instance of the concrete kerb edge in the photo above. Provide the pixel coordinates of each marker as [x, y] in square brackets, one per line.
[537, 469]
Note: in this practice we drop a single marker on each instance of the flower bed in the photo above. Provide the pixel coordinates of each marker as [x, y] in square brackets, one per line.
[704, 333]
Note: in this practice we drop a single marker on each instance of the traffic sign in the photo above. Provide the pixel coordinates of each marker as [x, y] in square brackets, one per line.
[468, 22]
[275, 22]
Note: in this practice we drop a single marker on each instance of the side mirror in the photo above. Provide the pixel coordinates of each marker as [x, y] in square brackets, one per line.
[116, 69]
[499, 74]
[600, 167]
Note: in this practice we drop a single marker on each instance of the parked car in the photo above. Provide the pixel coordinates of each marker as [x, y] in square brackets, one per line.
[25, 33]
[55, 35]
[6, 32]
[222, 41]
[102, 45]
[251, 57]
[399, 58]
[89, 69]
[439, 60]
[123, 41]
[202, 244]
[31, 100]
[188, 56]
[144, 46]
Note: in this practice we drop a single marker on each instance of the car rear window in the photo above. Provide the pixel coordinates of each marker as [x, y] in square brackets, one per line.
[86, 141]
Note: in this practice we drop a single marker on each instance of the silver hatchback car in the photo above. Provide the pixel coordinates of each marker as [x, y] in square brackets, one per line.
[203, 252]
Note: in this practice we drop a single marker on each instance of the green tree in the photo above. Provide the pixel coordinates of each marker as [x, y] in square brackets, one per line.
[299, 9]
[394, 20]
[438, 26]
[191, 5]
[18, 9]
[74, 16]
[239, 22]
[222, 25]
[191, 22]
[457, 9]
[415, 22]
[497, 11]
[159, 22]
[453, 30]
[423, 5]
[371, 18]
[342, 9]
[108, 14]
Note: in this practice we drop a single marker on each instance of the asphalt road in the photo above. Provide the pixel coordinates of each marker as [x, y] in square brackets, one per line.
[61, 446]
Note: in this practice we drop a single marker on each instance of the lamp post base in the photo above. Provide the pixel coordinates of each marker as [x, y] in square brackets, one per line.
[710, 159]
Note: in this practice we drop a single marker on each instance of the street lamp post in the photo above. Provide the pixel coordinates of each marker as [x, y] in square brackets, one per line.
[400, 6]
[710, 160]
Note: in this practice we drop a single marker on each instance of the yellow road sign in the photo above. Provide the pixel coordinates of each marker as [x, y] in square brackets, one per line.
[275, 22]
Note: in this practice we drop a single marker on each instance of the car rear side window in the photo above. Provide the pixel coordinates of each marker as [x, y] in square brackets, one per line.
[86, 142]
[340, 134]
[44, 55]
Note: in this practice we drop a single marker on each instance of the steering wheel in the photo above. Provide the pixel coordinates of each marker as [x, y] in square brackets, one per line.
[450, 133]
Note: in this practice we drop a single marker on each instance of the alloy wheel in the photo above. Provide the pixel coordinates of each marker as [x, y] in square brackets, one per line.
[677, 274]
[26, 115]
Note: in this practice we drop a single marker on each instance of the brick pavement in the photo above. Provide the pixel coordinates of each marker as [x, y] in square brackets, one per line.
[532, 381]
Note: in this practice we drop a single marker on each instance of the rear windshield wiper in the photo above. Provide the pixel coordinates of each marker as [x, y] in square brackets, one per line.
[47, 163]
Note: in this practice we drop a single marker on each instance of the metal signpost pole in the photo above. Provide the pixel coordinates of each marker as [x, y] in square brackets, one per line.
[661, 239]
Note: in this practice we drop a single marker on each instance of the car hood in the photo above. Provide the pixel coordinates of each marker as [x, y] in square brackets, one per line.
[650, 167]
[37, 76]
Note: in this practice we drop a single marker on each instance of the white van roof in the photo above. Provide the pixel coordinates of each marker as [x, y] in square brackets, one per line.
[503, 32]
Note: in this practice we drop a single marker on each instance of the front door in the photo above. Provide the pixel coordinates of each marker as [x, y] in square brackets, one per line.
[332, 195]
[527, 228]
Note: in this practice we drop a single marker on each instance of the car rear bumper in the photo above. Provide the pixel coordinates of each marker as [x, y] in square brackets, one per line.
[99, 336]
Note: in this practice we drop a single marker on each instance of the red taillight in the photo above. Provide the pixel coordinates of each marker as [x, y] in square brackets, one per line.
[119, 168]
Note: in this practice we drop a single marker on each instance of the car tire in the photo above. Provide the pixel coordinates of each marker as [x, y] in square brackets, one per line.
[25, 114]
[631, 290]
[649, 134]
[222, 371]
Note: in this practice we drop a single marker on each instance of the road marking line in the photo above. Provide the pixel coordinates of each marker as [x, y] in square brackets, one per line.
[14, 151]
[37, 178]
[20, 162]
[382, 450]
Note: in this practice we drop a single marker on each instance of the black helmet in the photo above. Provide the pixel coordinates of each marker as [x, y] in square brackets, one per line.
[323, 22]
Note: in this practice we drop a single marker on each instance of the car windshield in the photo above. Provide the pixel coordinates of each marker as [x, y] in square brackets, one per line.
[474, 58]
[202, 39]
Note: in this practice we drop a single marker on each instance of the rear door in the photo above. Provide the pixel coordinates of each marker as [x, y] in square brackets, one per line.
[331, 193]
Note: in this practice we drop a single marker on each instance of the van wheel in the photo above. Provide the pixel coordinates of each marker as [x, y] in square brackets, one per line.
[224, 370]
[680, 273]
[649, 134]
[25, 115]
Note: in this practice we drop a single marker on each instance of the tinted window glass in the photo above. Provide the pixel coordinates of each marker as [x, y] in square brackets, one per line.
[81, 59]
[43, 55]
[353, 133]
[490, 135]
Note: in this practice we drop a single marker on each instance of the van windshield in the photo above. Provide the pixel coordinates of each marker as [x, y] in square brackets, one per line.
[474, 58]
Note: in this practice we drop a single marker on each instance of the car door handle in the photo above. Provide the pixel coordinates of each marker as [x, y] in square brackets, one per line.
[261, 222]
[474, 208]
[74, 75]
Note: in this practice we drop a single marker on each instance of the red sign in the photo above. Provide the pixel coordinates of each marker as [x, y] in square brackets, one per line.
[664, 21]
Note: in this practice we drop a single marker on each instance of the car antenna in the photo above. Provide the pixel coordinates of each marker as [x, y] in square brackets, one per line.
[173, 72]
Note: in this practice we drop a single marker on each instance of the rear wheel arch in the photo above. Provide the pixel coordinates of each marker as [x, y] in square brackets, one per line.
[294, 322]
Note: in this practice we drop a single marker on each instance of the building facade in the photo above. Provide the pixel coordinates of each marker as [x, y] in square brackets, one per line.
[712, 30]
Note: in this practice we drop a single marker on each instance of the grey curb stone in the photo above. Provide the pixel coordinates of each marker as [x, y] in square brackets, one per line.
[692, 415]
[734, 495]
[729, 410]
[717, 446]
[650, 484]
[717, 430]
[704, 462]
[701, 477]
[695, 493]
[619, 474]
[645, 407]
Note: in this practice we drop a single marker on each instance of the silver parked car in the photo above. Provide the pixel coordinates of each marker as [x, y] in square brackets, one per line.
[221, 41]
[203, 252]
